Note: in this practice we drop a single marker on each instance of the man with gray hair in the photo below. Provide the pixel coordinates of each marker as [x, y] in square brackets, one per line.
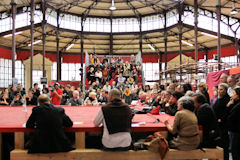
[232, 81]
[48, 122]
[75, 101]
[221, 110]
[116, 118]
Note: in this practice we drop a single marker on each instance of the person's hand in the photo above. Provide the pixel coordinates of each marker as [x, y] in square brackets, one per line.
[219, 120]
[167, 105]
[166, 122]
[231, 102]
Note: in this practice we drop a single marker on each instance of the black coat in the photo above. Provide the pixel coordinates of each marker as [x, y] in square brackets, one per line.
[207, 119]
[32, 102]
[234, 119]
[49, 136]
[220, 109]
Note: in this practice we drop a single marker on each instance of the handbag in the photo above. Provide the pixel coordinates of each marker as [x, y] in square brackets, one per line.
[158, 144]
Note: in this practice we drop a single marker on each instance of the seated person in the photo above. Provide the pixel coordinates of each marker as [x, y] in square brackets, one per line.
[171, 107]
[116, 119]
[91, 75]
[185, 126]
[121, 79]
[75, 101]
[17, 101]
[31, 99]
[98, 75]
[104, 97]
[91, 100]
[4, 100]
[207, 119]
[130, 80]
[48, 122]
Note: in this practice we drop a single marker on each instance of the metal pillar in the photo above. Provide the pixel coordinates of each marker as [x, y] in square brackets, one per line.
[13, 4]
[180, 26]
[237, 47]
[196, 33]
[206, 60]
[160, 67]
[44, 35]
[81, 69]
[32, 40]
[218, 10]
[165, 44]
[58, 53]
[111, 36]
[140, 36]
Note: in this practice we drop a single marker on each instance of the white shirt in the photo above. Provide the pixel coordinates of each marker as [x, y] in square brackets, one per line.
[98, 74]
[121, 139]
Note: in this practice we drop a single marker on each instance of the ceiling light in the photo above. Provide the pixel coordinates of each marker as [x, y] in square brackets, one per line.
[38, 41]
[9, 35]
[187, 43]
[112, 8]
[209, 35]
[150, 46]
[234, 11]
[70, 46]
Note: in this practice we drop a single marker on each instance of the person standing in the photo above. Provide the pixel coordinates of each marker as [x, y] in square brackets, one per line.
[48, 122]
[207, 119]
[220, 109]
[116, 118]
[233, 122]
[56, 94]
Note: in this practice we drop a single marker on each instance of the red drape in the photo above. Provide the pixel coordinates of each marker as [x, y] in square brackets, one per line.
[213, 79]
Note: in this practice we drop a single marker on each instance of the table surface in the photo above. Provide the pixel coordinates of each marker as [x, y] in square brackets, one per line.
[13, 118]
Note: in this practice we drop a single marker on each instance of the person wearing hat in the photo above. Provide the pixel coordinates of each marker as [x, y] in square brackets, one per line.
[56, 94]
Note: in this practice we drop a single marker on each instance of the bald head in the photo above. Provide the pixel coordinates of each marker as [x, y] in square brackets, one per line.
[43, 99]
[223, 78]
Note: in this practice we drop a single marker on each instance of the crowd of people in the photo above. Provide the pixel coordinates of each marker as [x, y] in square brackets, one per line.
[191, 105]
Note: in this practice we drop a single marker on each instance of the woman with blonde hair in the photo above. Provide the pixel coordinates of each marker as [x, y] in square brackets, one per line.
[91, 99]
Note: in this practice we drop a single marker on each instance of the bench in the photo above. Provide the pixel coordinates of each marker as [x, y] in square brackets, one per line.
[95, 154]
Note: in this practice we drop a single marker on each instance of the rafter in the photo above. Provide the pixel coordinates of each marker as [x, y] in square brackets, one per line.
[71, 42]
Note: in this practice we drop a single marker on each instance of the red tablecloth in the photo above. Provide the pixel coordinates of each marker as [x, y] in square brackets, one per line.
[13, 118]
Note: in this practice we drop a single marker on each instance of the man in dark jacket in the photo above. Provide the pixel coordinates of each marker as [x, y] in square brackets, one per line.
[48, 122]
[116, 118]
[207, 119]
[220, 109]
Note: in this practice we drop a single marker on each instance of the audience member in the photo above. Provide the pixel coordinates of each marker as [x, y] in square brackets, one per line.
[171, 107]
[185, 126]
[220, 109]
[233, 125]
[31, 99]
[56, 94]
[17, 101]
[231, 81]
[75, 100]
[207, 119]
[91, 100]
[36, 90]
